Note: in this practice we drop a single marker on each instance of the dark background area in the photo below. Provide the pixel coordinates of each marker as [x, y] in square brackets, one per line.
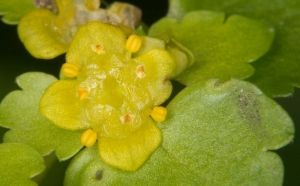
[15, 60]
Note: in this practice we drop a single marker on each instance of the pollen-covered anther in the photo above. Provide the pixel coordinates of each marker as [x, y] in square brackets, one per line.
[133, 43]
[69, 70]
[88, 138]
[128, 118]
[98, 49]
[159, 113]
[140, 72]
[82, 94]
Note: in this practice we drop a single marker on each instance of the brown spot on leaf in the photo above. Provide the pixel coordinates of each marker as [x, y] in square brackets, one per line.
[99, 174]
[248, 106]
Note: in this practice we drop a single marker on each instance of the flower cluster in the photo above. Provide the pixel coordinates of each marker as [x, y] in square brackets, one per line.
[113, 88]
[46, 34]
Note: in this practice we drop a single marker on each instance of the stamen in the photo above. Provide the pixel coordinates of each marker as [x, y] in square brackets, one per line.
[159, 113]
[82, 94]
[69, 70]
[140, 72]
[128, 118]
[98, 49]
[88, 138]
[133, 43]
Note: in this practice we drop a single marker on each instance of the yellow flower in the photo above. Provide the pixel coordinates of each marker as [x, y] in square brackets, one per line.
[47, 35]
[113, 92]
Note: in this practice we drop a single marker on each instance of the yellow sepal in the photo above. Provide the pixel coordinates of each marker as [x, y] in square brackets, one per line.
[131, 152]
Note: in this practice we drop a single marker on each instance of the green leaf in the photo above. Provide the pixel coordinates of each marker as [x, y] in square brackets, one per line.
[223, 133]
[222, 48]
[19, 112]
[278, 71]
[14, 10]
[18, 163]
[87, 168]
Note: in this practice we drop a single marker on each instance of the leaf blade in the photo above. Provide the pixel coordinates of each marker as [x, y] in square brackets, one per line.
[13, 11]
[18, 163]
[229, 126]
[276, 72]
[221, 49]
[19, 112]
[160, 169]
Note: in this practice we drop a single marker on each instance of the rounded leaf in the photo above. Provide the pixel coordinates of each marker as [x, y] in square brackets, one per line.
[19, 112]
[19, 163]
[14, 10]
[222, 132]
[218, 50]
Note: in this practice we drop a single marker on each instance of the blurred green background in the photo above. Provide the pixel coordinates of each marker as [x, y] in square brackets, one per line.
[15, 60]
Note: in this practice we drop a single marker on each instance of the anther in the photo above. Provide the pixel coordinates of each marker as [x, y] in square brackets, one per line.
[140, 72]
[128, 118]
[88, 138]
[159, 113]
[82, 94]
[133, 43]
[69, 70]
[98, 49]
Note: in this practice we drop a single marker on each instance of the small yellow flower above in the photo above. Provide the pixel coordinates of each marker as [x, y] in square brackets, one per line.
[112, 94]
[46, 34]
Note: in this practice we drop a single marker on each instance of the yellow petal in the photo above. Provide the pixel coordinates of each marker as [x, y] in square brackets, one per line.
[61, 105]
[131, 152]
